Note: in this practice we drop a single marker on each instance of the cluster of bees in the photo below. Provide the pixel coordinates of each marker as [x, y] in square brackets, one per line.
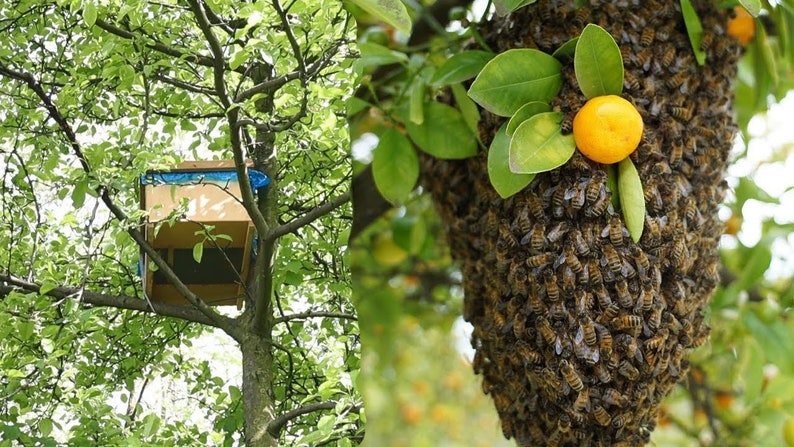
[579, 331]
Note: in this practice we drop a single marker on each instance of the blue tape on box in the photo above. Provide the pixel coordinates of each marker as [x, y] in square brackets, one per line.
[258, 179]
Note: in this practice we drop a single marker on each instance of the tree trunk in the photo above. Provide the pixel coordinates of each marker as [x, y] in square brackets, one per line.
[580, 301]
[258, 399]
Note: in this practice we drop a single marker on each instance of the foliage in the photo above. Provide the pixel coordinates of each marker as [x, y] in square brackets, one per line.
[92, 95]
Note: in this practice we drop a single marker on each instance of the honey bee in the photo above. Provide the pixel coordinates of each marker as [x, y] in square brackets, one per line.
[707, 41]
[550, 384]
[630, 82]
[582, 401]
[571, 376]
[605, 339]
[646, 38]
[645, 300]
[596, 279]
[612, 259]
[553, 440]
[601, 416]
[675, 360]
[535, 237]
[653, 198]
[593, 190]
[682, 113]
[490, 223]
[536, 304]
[546, 331]
[614, 397]
[661, 367]
[628, 346]
[652, 235]
[564, 423]
[600, 206]
[527, 354]
[649, 86]
[619, 422]
[582, 16]
[642, 58]
[584, 302]
[540, 260]
[523, 223]
[624, 297]
[507, 237]
[675, 81]
[588, 330]
[568, 280]
[552, 289]
[557, 202]
[573, 262]
[557, 312]
[657, 341]
[602, 373]
[628, 370]
[678, 255]
[609, 314]
[557, 232]
[668, 56]
[590, 355]
[627, 323]
[676, 153]
[535, 207]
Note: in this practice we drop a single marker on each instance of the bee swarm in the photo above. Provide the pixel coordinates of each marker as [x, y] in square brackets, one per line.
[580, 332]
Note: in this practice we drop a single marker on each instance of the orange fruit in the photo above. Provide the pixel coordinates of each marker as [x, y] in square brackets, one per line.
[607, 129]
[742, 25]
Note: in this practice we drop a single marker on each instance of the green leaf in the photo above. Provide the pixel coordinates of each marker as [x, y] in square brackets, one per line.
[612, 184]
[46, 287]
[504, 181]
[598, 63]
[514, 78]
[538, 144]
[468, 109]
[752, 6]
[79, 192]
[566, 50]
[444, 133]
[767, 55]
[392, 12]
[504, 7]
[416, 102]
[694, 29]
[395, 166]
[526, 112]
[89, 14]
[460, 67]
[632, 199]
[45, 426]
[774, 339]
[374, 54]
[198, 251]
[409, 233]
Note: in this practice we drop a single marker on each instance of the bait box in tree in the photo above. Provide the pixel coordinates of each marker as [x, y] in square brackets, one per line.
[184, 202]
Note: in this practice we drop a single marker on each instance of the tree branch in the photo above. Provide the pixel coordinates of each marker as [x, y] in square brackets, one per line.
[315, 314]
[187, 313]
[277, 424]
[307, 218]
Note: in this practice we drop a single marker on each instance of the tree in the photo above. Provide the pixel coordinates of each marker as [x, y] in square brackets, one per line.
[532, 304]
[94, 94]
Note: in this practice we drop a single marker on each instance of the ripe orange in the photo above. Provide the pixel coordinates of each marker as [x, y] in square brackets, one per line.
[607, 129]
[742, 26]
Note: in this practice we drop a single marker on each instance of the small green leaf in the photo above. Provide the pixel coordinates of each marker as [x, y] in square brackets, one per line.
[694, 29]
[526, 112]
[538, 144]
[612, 184]
[46, 287]
[461, 67]
[45, 426]
[395, 166]
[632, 199]
[468, 109]
[392, 12]
[79, 191]
[504, 181]
[89, 14]
[566, 50]
[504, 7]
[752, 6]
[514, 78]
[198, 251]
[764, 48]
[598, 63]
[444, 133]
[374, 54]
[409, 233]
